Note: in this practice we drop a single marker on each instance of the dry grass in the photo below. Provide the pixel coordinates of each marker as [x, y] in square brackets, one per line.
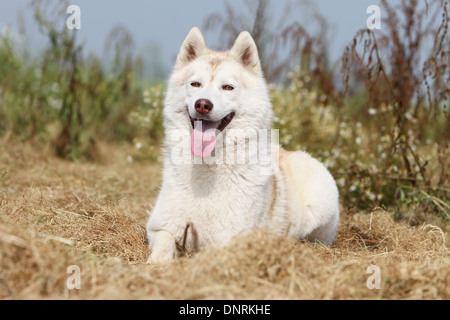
[54, 214]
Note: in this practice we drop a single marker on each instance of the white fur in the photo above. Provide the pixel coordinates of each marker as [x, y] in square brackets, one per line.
[296, 196]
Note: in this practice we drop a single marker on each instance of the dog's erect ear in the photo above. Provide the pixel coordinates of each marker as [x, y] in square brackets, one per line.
[245, 50]
[193, 46]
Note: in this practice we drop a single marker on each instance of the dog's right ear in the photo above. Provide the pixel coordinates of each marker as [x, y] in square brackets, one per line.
[193, 46]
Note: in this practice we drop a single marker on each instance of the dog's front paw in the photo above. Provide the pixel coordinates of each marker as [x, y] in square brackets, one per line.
[163, 247]
[160, 258]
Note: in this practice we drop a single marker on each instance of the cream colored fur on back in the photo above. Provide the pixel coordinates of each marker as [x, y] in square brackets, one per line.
[296, 196]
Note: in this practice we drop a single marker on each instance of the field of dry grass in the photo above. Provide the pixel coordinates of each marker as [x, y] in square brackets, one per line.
[55, 214]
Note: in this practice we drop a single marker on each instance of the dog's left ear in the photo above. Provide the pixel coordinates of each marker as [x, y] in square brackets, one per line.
[246, 52]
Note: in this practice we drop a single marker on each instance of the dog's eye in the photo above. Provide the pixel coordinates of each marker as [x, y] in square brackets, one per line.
[227, 87]
[196, 84]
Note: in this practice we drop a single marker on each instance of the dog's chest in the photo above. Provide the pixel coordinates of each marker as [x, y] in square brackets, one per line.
[220, 204]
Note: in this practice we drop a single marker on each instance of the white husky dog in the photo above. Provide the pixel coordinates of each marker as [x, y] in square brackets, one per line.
[209, 95]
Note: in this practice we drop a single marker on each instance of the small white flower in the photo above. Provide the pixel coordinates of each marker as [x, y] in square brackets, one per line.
[55, 87]
[371, 196]
[372, 111]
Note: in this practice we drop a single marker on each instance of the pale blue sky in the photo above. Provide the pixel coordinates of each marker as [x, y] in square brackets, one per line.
[167, 22]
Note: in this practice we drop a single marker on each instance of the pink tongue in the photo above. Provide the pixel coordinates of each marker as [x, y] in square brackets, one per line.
[203, 138]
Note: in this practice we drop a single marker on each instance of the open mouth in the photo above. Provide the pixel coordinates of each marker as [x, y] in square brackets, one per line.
[203, 138]
[219, 125]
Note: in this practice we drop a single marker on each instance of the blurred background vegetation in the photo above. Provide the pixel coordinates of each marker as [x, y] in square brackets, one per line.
[378, 117]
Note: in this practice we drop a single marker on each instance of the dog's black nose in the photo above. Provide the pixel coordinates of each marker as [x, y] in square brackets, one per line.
[203, 106]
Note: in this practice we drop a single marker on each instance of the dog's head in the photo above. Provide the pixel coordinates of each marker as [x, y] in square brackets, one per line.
[211, 91]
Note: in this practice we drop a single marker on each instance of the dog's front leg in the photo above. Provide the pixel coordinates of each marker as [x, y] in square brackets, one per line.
[163, 247]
